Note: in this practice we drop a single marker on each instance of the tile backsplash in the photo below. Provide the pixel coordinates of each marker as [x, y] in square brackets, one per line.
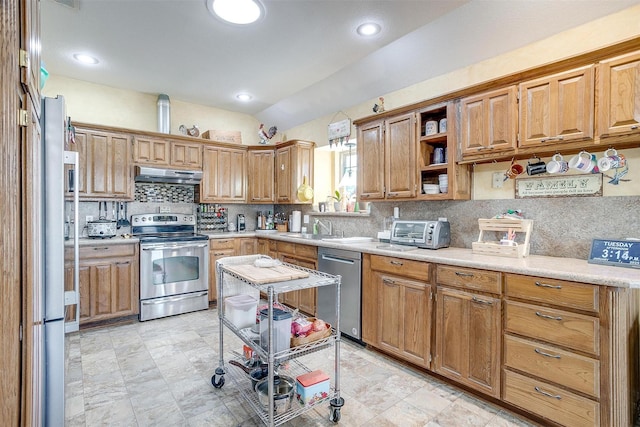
[164, 193]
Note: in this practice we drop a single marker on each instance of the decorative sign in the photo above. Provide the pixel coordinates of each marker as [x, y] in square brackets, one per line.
[622, 253]
[559, 186]
[339, 132]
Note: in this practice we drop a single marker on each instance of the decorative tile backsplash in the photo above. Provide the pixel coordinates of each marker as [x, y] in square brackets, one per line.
[164, 193]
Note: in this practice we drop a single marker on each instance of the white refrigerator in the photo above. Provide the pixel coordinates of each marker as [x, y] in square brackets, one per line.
[55, 169]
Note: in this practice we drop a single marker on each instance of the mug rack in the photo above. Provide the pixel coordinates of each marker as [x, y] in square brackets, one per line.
[512, 249]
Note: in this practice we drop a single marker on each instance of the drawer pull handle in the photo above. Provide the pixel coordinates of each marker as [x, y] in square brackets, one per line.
[389, 281]
[546, 316]
[461, 274]
[396, 263]
[555, 356]
[101, 249]
[545, 285]
[544, 393]
[479, 301]
[552, 138]
[634, 127]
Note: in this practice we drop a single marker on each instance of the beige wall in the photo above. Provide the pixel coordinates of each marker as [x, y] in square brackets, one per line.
[87, 102]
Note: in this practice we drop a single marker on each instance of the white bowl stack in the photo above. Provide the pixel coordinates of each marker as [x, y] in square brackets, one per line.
[444, 182]
[430, 188]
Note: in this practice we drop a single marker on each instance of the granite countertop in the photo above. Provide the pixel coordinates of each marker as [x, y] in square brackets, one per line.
[572, 269]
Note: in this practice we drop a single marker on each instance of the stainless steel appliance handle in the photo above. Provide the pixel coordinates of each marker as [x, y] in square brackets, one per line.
[161, 246]
[174, 299]
[73, 297]
[342, 260]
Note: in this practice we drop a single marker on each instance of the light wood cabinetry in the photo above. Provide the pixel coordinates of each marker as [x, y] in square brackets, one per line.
[294, 162]
[489, 122]
[304, 256]
[105, 170]
[619, 97]
[557, 109]
[218, 248]
[224, 175]
[108, 282]
[267, 247]
[396, 307]
[552, 349]
[246, 245]
[261, 175]
[468, 329]
[150, 151]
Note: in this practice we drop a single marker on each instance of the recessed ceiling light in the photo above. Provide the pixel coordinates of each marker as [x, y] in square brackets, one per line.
[368, 29]
[85, 59]
[244, 97]
[236, 11]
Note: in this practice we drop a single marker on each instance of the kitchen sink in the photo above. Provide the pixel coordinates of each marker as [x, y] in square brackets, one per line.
[309, 236]
[396, 248]
[349, 240]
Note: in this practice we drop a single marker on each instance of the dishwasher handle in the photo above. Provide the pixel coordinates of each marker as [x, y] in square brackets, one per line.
[336, 259]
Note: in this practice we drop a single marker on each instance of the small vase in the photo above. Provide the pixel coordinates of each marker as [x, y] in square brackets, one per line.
[337, 206]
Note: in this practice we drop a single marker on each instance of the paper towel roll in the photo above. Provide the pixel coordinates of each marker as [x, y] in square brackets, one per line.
[296, 221]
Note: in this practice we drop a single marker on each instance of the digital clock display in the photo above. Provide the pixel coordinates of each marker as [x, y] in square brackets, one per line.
[623, 253]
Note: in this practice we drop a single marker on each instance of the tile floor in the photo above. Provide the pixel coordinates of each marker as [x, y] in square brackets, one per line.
[158, 373]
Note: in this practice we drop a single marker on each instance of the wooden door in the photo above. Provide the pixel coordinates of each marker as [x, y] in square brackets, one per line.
[283, 175]
[124, 288]
[301, 168]
[557, 109]
[619, 95]
[185, 155]
[151, 151]
[246, 246]
[489, 122]
[400, 156]
[371, 163]
[307, 297]
[416, 327]
[261, 176]
[224, 175]
[390, 321]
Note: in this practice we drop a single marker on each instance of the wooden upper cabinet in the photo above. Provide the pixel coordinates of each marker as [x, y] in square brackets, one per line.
[489, 121]
[294, 162]
[261, 176]
[30, 51]
[224, 175]
[400, 156]
[619, 96]
[167, 153]
[151, 151]
[557, 109]
[105, 166]
[370, 149]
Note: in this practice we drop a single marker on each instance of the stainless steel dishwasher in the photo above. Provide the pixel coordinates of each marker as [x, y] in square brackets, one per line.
[347, 264]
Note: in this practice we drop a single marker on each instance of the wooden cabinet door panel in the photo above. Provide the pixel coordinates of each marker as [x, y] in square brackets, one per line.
[186, 155]
[224, 175]
[151, 151]
[283, 175]
[214, 255]
[120, 183]
[390, 322]
[125, 298]
[400, 156]
[416, 337]
[619, 95]
[451, 332]
[101, 280]
[371, 165]
[261, 176]
[484, 343]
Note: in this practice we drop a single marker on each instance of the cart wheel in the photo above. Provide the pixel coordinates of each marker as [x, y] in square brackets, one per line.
[334, 415]
[217, 380]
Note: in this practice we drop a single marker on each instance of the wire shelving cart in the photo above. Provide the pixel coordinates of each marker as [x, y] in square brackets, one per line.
[234, 282]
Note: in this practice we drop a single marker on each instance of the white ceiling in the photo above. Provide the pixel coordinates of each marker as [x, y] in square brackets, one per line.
[303, 60]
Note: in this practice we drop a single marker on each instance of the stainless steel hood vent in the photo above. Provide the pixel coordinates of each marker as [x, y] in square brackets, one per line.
[169, 176]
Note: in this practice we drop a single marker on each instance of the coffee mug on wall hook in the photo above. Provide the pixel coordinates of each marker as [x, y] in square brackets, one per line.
[514, 170]
[536, 166]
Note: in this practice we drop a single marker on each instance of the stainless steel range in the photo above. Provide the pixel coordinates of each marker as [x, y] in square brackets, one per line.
[174, 265]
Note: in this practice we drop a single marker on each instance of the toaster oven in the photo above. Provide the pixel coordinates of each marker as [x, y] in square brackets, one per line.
[422, 234]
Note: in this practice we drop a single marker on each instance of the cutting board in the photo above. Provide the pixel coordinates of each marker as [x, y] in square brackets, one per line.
[261, 275]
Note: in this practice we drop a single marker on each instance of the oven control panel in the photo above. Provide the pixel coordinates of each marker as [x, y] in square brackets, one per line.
[163, 219]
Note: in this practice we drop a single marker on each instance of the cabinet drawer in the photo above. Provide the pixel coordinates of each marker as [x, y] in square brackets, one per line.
[102, 251]
[401, 267]
[221, 244]
[303, 251]
[469, 278]
[550, 402]
[552, 364]
[560, 327]
[557, 292]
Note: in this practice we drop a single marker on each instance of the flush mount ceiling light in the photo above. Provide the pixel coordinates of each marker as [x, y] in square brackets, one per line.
[85, 59]
[368, 29]
[240, 12]
[244, 97]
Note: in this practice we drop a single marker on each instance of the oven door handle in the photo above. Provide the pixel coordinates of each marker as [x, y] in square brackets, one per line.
[173, 246]
[174, 299]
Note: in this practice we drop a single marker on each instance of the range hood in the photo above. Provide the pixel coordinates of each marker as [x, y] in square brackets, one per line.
[170, 176]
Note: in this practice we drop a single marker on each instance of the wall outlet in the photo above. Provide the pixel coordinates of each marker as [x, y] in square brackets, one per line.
[89, 218]
[305, 219]
[497, 180]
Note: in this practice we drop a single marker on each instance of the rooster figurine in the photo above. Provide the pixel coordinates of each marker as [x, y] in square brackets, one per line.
[264, 135]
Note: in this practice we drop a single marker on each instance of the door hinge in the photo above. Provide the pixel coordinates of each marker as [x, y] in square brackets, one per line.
[23, 118]
[24, 58]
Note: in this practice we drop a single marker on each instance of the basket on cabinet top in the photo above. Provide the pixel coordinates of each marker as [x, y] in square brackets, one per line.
[515, 248]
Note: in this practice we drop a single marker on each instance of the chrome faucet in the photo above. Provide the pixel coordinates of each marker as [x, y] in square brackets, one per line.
[329, 227]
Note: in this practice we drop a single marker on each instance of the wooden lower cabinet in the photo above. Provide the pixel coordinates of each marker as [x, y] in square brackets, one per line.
[218, 248]
[246, 245]
[108, 282]
[468, 336]
[304, 256]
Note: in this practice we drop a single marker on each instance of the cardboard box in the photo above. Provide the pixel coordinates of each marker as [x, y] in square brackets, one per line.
[312, 387]
[231, 136]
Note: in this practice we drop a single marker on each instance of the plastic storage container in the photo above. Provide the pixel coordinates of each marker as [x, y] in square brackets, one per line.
[312, 387]
[281, 330]
[241, 310]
